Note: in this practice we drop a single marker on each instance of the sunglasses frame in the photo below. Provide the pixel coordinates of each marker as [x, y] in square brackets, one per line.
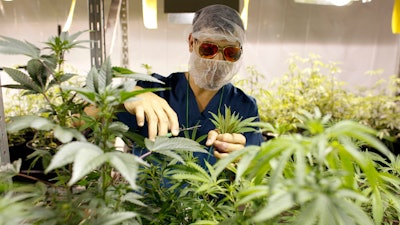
[220, 49]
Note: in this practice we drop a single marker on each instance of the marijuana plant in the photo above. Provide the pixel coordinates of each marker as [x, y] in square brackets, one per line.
[319, 176]
[231, 122]
[310, 82]
[94, 182]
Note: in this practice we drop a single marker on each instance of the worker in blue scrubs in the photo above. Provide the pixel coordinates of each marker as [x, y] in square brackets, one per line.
[215, 45]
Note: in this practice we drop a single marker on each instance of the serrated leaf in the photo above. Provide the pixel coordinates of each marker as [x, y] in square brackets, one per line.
[122, 70]
[133, 197]
[91, 80]
[23, 79]
[308, 214]
[201, 171]
[377, 206]
[205, 222]
[16, 47]
[67, 134]
[22, 122]
[14, 86]
[9, 170]
[189, 176]
[359, 216]
[85, 93]
[62, 78]
[38, 72]
[41, 123]
[231, 122]
[67, 154]
[72, 37]
[127, 165]
[115, 218]
[277, 204]
[246, 161]
[86, 159]
[141, 77]
[175, 143]
[105, 75]
[247, 195]
[118, 128]
[172, 155]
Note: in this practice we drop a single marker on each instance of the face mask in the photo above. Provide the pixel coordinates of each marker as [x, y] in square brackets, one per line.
[211, 74]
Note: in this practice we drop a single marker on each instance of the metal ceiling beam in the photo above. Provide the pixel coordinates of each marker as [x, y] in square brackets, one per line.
[97, 36]
[103, 35]
[124, 27]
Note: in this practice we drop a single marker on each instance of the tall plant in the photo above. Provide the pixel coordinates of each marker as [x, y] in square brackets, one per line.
[95, 181]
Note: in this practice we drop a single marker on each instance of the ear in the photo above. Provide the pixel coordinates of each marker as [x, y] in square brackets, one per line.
[191, 42]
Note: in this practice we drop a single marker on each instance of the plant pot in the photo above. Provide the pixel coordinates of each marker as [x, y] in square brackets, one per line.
[30, 171]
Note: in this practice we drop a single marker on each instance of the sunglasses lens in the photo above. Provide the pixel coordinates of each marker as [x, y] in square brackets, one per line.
[208, 50]
[232, 53]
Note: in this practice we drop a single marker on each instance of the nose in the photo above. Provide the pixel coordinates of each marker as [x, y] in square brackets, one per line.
[219, 56]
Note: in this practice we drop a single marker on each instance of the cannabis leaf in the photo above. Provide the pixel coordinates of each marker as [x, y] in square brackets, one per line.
[87, 157]
[13, 46]
[231, 122]
[169, 146]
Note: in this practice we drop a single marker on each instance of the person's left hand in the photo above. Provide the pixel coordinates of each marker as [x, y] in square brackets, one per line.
[225, 143]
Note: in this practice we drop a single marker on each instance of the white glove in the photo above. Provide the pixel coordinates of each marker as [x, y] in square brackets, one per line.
[225, 143]
[159, 115]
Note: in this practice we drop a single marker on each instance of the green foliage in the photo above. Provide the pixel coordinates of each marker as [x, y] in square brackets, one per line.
[16, 47]
[231, 122]
[310, 83]
[320, 169]
[94, 181]
[172, 146]
[45, 74]
[319, 177]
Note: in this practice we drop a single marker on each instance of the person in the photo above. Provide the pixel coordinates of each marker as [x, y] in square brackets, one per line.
[215, 46]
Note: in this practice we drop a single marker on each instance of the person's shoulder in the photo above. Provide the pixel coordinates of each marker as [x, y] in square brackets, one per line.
[170, 77]
[239, 95]
[167, 80]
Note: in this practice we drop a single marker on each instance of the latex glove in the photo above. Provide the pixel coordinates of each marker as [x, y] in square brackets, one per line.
[225, 143]
[160, 117]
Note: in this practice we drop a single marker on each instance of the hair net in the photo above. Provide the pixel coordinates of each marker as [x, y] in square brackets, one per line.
[215, 23]
[218, 22]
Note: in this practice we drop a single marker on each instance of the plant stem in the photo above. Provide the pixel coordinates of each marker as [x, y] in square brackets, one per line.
[35, 179]
[145, 155]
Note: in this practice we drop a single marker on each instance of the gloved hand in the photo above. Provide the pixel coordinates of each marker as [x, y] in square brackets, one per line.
[225, 143]
[160, 117]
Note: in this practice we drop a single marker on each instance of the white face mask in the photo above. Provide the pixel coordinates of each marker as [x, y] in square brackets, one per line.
[211, 74]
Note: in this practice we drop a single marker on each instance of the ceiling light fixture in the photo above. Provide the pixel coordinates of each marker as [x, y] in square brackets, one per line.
[340, 2]
[245, 13]
[149, 13]
[330, 2]
[68, 23]
[180, 18]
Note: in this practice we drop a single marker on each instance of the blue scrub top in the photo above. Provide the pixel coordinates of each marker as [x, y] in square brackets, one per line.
[181, 98]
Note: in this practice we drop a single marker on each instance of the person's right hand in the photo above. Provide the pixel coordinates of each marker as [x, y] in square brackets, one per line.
[159, 115]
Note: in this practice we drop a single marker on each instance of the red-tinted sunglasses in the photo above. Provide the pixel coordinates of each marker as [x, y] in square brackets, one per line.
[209, 50]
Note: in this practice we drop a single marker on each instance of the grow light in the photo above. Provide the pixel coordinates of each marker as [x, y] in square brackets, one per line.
[330, 2]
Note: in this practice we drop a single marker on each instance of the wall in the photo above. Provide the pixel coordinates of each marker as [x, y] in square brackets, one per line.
[358, 36]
